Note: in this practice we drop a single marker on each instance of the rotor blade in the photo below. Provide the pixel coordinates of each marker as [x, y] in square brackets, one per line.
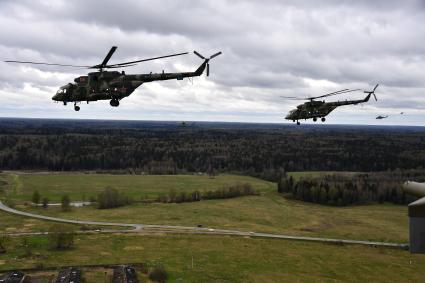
[48, 64]
[108, 56]
[199, 55]
[372, 91]
[350, 90]
[144, 60]
[335, 93]
[215, 55]
[208, 70]
[294, 98]
[116, 67]
[375, 96]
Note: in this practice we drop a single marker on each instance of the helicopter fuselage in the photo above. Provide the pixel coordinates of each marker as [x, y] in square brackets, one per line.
[113, 85]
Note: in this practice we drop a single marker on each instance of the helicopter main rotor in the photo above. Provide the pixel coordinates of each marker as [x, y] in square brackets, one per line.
[104, 64]
[342, 91]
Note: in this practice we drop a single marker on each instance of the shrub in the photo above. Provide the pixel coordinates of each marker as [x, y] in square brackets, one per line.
[158, 274]
[3, 243]
[36, 197]
[61, 237]
[111, 198]
[66, 203]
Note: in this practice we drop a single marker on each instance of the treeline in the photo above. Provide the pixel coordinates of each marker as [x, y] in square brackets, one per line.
[154, 148]
[232, 191]
[347, 189]
[112, 198]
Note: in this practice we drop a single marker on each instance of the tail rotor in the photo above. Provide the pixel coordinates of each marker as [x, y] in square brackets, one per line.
[372, 92]
[207, 59]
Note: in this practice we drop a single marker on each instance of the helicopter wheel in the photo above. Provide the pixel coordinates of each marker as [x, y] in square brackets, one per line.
[314, 119]
[76, 108]
[323, 119]
[298, 123]
[114, 102]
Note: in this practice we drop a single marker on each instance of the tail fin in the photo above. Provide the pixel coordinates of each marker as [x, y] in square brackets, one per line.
[367, 97]
[201, 68]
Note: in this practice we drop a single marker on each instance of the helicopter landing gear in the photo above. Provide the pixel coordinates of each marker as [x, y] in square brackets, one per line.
[323, 119]
[298, 123]
[76, 108]
[114, 102]
[314, 119]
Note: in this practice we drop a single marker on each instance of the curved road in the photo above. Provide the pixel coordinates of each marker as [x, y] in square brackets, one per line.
[190, 230]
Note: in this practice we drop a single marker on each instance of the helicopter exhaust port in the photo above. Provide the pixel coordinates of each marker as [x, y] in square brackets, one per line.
[114, 102]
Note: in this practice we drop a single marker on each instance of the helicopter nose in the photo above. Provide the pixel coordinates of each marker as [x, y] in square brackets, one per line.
[55, 97]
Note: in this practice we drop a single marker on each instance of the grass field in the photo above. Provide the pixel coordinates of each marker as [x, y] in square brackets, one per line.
[269, 212]
[11, 223]
[216, 258]
[84, 186]
[230, 259]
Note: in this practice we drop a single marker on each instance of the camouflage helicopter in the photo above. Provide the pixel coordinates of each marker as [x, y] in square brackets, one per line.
[114, 85]
[314, 109]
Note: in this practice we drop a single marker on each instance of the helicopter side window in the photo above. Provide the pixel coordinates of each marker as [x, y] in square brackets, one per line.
[64, 91]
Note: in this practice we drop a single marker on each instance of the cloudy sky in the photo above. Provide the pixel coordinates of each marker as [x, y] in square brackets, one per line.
[270, 49]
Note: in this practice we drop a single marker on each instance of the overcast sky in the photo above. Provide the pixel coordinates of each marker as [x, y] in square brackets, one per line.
[270, 49]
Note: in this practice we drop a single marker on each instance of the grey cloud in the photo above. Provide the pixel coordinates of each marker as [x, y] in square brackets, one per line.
[269, 47]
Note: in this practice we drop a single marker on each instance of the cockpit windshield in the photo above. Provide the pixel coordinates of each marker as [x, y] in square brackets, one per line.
[63, 89]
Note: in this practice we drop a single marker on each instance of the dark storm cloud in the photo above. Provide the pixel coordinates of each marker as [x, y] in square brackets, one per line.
[269, 47]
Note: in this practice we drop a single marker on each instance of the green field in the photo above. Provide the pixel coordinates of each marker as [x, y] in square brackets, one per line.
[230, 259]
[10, 223]
[216, 258]
[84, 186]
[269, 212]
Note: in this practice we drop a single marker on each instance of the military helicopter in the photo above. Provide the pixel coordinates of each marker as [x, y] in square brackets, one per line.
[113, 85]
[380, 117]
[315, 109]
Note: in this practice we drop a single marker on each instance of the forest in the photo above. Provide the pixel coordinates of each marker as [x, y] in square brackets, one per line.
[340, 189]
[261, 150]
